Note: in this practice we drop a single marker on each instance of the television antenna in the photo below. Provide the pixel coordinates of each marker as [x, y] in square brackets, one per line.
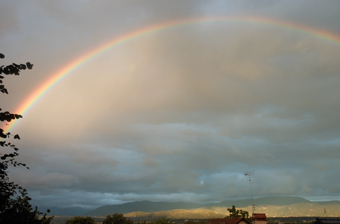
[249, 174]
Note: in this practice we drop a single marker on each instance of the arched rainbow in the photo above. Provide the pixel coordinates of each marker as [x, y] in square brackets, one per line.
[69, 68]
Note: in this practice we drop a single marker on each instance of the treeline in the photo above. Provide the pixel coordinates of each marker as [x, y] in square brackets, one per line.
[120, 219]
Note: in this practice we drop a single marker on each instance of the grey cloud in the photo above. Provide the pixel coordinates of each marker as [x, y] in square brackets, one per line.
[180, 113]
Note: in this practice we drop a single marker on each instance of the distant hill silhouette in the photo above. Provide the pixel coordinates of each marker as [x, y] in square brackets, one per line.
[198, 213]
[142, 206]
[147, 208]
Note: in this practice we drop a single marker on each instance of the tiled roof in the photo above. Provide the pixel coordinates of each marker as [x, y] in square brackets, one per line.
[226, 221]
[259, 217]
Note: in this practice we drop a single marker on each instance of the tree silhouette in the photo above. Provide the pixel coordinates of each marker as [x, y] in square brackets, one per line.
[163, 221]
[116, 219]
[14, 200]
[233, 213]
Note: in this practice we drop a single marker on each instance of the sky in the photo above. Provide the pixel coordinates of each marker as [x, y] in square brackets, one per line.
[200, 93]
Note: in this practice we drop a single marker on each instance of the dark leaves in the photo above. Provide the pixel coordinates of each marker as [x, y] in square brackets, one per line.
[29, 65]
[2, 134]
[15, 68]
[7, 116]
[23, 67]
[16, 65]
[3, 89]
[17, 209]
[12, 155]
[17, 116]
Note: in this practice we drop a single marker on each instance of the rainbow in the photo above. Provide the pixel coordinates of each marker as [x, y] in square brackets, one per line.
[72, 66]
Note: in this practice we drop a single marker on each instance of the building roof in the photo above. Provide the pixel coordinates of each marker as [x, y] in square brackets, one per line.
[335, 220]
[259, 217]
[226, 221]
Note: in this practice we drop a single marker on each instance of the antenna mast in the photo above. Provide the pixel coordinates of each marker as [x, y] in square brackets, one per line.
[249, 174]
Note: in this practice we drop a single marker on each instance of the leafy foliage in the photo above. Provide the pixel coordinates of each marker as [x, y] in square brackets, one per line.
[80, 220]
[163, 221]
[14, 200]
[233, 213]
[116, 219]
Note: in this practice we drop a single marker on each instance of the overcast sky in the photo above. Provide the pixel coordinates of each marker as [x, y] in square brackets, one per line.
[181, 113]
